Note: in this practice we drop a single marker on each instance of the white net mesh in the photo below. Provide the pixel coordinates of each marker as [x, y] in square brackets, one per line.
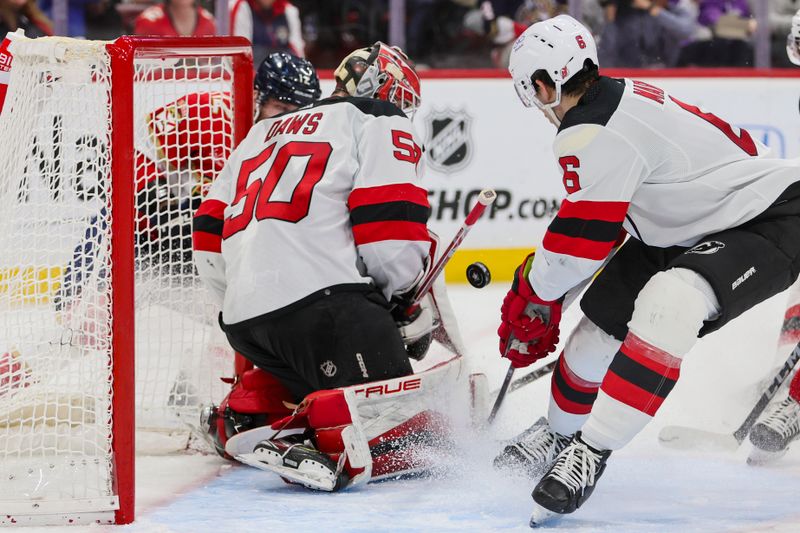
[55, 234]
[54, 373]
[184, 133]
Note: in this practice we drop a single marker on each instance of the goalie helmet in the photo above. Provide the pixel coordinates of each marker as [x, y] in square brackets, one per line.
[287, 78]
[383, 72]
[560, 46]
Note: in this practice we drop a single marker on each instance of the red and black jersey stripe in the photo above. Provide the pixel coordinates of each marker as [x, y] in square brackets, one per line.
[207, 226]
[585, 229]
[389, 212]
[571, 393]
[641, 375]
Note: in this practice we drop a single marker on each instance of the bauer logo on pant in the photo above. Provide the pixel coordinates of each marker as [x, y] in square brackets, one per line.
[449, 140]
[328, 368]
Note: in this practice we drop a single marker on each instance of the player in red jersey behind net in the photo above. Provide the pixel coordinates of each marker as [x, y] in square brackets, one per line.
[313, 236]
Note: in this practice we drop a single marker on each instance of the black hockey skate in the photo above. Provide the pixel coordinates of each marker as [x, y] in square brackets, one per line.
[772, 435]
[296, 460]
[569, 482]
[533, 451]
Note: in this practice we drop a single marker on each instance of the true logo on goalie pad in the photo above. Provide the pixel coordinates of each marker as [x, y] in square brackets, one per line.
[392, 387]
[328, 368]
[449, 141]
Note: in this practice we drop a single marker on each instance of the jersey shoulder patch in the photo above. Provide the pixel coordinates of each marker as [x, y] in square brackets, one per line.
[597, 105]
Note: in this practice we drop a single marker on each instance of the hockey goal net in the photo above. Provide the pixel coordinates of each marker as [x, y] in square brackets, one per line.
[107, 148]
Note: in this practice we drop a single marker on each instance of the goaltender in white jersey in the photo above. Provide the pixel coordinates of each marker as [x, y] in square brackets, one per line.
[293, 186]
[314, 237]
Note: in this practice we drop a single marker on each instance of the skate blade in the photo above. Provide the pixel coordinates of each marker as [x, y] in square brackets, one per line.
[542, 517]
[307, 479]
[759, 457]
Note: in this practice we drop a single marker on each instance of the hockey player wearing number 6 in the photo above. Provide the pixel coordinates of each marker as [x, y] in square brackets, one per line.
[714, 223]
[312, 234]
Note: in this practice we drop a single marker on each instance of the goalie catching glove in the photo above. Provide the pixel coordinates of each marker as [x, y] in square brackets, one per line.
[528, 323]
[416, 327]
[432, 318]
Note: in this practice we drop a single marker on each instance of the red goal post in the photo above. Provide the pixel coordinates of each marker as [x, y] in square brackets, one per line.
[96, 281]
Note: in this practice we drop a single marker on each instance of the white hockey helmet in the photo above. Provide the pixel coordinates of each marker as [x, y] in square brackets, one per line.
[559, 46]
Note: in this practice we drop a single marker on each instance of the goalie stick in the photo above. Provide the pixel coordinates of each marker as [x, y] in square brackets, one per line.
[485, 199]
[683, 437]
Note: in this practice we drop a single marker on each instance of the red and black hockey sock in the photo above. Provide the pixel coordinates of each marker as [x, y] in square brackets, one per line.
[641, 375]
[790, 330]
[570, 393]
[794, 387]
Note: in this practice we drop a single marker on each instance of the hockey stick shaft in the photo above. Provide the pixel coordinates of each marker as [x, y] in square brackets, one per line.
[485, 199]
[503, 389]
[532, 376]
[765, 398]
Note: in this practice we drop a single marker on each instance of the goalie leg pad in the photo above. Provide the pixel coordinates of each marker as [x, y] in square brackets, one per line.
[257, 398]
[380, 429]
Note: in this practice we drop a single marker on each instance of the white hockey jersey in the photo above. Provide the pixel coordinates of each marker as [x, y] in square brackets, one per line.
[325, 196]
[635, 157]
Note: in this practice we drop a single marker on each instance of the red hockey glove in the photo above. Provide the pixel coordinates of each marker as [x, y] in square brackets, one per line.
[529, 323]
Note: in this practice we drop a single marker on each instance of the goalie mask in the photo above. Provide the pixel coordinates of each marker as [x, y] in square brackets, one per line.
[383, 72]
[560, 46]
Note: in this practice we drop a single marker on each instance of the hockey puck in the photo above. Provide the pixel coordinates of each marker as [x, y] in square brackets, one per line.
[478, 275]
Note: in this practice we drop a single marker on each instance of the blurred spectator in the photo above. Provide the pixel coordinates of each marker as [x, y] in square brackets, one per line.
[501, 22]
[731, 27]
[76, 14]
[532, 11]
[645, 33]
[24, 14]
[780, 25]
[712, 12]
[271, 25]
[175, 18]
[501, 31]
[421, 17]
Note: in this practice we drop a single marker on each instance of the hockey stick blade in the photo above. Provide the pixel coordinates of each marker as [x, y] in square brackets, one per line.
[686, 438]
[681, 437]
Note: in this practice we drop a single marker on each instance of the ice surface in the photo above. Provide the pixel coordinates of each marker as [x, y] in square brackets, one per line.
[646, 488]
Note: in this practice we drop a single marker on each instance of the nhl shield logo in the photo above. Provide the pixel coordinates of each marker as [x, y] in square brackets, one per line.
[328, 368]
[449, 142]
